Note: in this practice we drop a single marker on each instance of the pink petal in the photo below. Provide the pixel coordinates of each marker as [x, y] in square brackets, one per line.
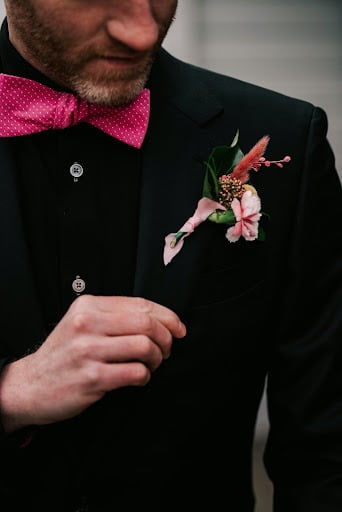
[205, 207]
[250, 231]
[236, 207]
[233, 234]
[250, 204]
[171, 252]
[254, 218]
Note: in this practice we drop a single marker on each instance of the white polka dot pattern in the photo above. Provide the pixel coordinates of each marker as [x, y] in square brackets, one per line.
[28, 107]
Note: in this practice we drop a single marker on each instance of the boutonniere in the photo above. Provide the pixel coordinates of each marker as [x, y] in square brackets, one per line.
[228, 196]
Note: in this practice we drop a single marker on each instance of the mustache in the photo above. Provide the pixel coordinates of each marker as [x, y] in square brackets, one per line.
[119, 50]
[90, 53]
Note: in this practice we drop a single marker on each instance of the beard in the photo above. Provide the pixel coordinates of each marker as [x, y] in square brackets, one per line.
[53, 52]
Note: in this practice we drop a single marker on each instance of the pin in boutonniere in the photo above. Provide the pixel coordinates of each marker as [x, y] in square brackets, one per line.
[228, 197]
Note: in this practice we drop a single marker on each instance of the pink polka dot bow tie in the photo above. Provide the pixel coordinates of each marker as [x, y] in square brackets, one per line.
[28, 107]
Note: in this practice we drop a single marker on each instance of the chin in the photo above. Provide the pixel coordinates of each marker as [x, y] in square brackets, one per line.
[112, 92]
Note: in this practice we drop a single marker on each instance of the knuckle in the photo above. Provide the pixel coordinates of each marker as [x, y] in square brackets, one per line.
[168, 342]
[144, 323]
[82, 302]
[92, 375]
[143, 346]
[142, 304]
[78, 351]
[82, 322]
[159, 359]
[140, 374]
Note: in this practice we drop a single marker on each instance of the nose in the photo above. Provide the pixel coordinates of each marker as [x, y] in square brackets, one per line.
[135, 27]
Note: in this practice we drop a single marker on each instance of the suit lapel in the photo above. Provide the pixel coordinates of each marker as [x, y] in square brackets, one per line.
[21, 318]
[176, 147]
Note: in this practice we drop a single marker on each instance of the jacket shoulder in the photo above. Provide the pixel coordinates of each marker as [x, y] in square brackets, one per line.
[232, 91]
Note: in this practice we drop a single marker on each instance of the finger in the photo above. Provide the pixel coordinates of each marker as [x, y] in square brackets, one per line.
[120, 349]
[168, 318]
[117, 323]
[115, 376]
[136, 304]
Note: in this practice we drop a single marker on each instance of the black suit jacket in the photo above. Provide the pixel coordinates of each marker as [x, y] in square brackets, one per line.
[252, 309]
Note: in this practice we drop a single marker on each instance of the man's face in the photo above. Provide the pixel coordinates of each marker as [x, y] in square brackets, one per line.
[101, 49]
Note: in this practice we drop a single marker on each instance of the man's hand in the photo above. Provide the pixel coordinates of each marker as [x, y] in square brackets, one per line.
[101, 344]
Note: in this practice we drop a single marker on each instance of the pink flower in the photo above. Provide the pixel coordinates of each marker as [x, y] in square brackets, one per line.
[247, 214]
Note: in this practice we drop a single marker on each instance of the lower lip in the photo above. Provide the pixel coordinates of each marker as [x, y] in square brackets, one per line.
[119, 63]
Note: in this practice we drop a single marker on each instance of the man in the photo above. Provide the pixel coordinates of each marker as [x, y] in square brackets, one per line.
[98, 413]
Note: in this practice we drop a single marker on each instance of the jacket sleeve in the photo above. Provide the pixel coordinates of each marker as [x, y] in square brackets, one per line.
[304, 451]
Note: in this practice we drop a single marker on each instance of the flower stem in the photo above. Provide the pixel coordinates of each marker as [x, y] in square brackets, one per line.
[176, 239]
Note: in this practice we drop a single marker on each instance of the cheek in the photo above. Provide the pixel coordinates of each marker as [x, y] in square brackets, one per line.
[164, 11]
[74, 38]
[72, 25]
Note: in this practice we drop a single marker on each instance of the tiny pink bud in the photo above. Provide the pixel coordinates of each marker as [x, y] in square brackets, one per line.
[279, 164]
[287, 159]
[267, 163]
[262, 159]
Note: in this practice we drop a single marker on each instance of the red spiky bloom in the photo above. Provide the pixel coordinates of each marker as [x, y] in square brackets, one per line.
[250, 161]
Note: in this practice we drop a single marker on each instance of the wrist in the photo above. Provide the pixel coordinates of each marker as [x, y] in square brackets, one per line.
[13, 403]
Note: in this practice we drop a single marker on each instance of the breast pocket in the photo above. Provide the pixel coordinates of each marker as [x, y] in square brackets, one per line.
[226, 286]
[232, 272]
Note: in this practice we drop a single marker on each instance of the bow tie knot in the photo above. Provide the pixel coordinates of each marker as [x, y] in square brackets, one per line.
[28, 107]
[69, 111]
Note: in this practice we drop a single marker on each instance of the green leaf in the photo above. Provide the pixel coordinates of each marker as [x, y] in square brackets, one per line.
[264, 214]
[236, 158]
[214, 182]
[206, 186]
[236, 138]
[261, 234]
[223, 217]
[222, 160]
[210, 185]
